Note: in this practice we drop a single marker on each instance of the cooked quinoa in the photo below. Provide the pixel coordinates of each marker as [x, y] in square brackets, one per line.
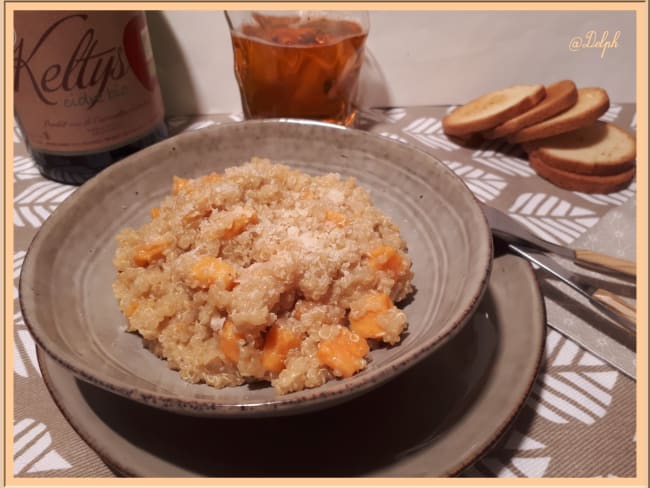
[264, 273]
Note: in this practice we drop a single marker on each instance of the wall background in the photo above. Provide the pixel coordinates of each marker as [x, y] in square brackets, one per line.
[414, 57]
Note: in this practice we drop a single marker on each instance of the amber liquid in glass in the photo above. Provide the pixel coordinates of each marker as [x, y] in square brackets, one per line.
[288, 67]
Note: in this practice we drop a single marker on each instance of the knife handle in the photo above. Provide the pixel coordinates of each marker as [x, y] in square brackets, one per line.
[602, 260]
[615, 304]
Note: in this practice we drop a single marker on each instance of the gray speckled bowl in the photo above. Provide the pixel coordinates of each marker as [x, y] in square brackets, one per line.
[65, 285]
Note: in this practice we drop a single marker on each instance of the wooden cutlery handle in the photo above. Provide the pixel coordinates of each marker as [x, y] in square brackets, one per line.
[595, 258]
[615, 304]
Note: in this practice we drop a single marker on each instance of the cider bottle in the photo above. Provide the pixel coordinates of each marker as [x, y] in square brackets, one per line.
[86, 92]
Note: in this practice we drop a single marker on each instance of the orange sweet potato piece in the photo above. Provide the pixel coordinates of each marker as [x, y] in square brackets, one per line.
[147, 253]
[178, 184]
[199, 211]
[365, 312]
[386, 258]
[279, 341]
[336, 217]
[344, 353]
[131, 308]
[210, 178]
[208, 270]
[155, 212]
[239, 224]
[229, 341]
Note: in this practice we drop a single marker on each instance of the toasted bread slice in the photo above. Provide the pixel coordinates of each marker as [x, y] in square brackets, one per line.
[560, 96]
[591, 104]
[582, 183]
[473, 139]
[492, 109]
[598, 149]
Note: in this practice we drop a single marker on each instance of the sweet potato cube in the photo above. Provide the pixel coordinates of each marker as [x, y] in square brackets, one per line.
[229, 341]
[336, 217]
[208, 270]
[178, 184]
[210, 178]
[279, 341]
[365, 312]
[344, 353]
[131, 308]
[147, 253]
[155, 212]
[199, 211]
[386, 258]
[239, 224]
[367, 326]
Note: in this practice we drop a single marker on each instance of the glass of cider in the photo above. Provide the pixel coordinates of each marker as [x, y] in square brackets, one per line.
[299, 64]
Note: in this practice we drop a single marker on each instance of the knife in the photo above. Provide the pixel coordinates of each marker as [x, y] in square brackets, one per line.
[622, 313]
[512, 231]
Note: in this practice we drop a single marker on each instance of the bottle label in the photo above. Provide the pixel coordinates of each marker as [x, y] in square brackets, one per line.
[84, 82]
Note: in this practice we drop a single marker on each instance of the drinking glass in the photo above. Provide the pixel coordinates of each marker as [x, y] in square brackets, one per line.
[298, 64]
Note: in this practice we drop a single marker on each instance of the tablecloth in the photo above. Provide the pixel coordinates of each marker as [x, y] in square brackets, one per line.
[580, 419]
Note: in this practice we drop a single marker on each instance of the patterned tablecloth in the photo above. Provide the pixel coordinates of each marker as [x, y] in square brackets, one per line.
[580, 418]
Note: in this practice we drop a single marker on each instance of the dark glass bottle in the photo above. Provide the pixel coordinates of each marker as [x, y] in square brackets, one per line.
[85, 89]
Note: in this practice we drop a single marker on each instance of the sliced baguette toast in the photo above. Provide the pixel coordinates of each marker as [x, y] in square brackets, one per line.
[591, 104]
[560, 96]
[492, 109]
[582, 183]
[598, 149]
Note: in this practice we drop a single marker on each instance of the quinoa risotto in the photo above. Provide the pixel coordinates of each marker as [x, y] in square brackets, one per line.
[264, 273]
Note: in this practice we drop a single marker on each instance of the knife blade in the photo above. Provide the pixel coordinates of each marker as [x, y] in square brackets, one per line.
[622, 313]
[510, 230]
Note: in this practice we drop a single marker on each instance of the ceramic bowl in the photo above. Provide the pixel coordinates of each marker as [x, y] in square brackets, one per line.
[65, 285]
